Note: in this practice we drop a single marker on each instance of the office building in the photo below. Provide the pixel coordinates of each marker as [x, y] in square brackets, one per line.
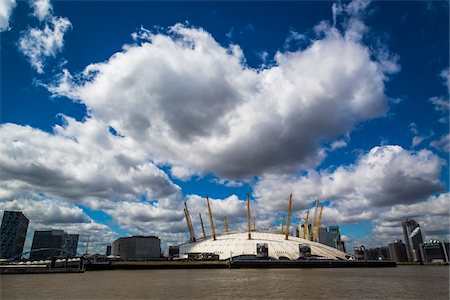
[13, 232]
[413, 238]
[70, 244]
[137, 248]
[397, 251]
[379, 253]
[108, 250]
[53, 243]
[358, 252]
[331, 236]
[434, 252]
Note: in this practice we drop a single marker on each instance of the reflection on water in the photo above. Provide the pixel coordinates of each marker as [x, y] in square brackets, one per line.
[403, 282]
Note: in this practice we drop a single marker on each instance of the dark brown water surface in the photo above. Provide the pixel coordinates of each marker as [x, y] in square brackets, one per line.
[403, 282]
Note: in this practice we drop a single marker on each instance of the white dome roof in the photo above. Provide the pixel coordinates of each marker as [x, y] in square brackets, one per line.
[236, 244]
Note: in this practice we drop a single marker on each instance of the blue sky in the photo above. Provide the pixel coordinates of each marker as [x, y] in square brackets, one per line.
[115, 113]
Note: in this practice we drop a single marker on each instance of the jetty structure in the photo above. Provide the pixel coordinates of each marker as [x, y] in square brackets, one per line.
[260, 245]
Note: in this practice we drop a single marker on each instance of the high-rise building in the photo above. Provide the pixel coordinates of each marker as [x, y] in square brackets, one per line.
[331, 236]
[70, 244]
[137, 248]
[413, 238]
[53, 243]
[397, 251]
[108, 250]
[13, 232]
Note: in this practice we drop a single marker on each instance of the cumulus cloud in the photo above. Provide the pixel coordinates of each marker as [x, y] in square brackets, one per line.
[385, 176]
[37, 44]
[42, 9]
[49, 213]
[432, 215]
[46, 211]
[77, 162]
[200, 108]
[84, 163]
[6, 8]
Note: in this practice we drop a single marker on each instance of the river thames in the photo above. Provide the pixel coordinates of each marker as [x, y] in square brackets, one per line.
[403, 282]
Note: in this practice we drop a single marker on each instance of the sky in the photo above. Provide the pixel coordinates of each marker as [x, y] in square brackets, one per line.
[114, 113]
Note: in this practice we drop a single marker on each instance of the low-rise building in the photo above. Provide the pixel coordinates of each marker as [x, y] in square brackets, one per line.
[434, 251]
[137, 248]
[50, 243]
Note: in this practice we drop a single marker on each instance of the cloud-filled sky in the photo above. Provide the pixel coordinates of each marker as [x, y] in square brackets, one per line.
[108, 126]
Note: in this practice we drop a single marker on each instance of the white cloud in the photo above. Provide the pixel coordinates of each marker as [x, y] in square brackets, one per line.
[338, 144]
[39, 44]
[50, 213]
[6, 8]
[42, 9]
[443, 144]
[440, 104]
[200, 109]
[385, 176]
[46, 175]
[432, 215]
[77, 162]
[417, 140]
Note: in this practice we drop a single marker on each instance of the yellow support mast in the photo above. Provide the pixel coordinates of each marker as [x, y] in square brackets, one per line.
[282, 225]
[313, 221]
[288, 222]
[211, 220]
[254, 223]
[203, 227]
[305, 225]
[248, 218]
[318, 224]
[189, 222]
[226, 224]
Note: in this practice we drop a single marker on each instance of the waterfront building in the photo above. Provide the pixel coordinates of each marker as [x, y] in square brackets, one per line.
[13, 232]
[379, 253]
[397, 251]
[174, 251]
[56, 243]
[331, 236]
[137, 248]
[261, 245]
[70, 244]
[108, 250]
[413, 238]
[358, 252]
[434, 251]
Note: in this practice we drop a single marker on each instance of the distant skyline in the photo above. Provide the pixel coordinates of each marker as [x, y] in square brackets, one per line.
[113, 114]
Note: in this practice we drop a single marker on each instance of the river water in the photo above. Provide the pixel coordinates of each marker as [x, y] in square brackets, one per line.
[403, 282]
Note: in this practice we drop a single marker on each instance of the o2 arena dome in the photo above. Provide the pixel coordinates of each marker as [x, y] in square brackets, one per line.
[261, 245]
[258, 245]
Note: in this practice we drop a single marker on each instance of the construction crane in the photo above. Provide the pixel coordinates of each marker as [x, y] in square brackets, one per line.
[288, 222]
[313, 221]
[248, 217]
[211, 220]
[305, 225]
[203, 227]
[318, 224]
